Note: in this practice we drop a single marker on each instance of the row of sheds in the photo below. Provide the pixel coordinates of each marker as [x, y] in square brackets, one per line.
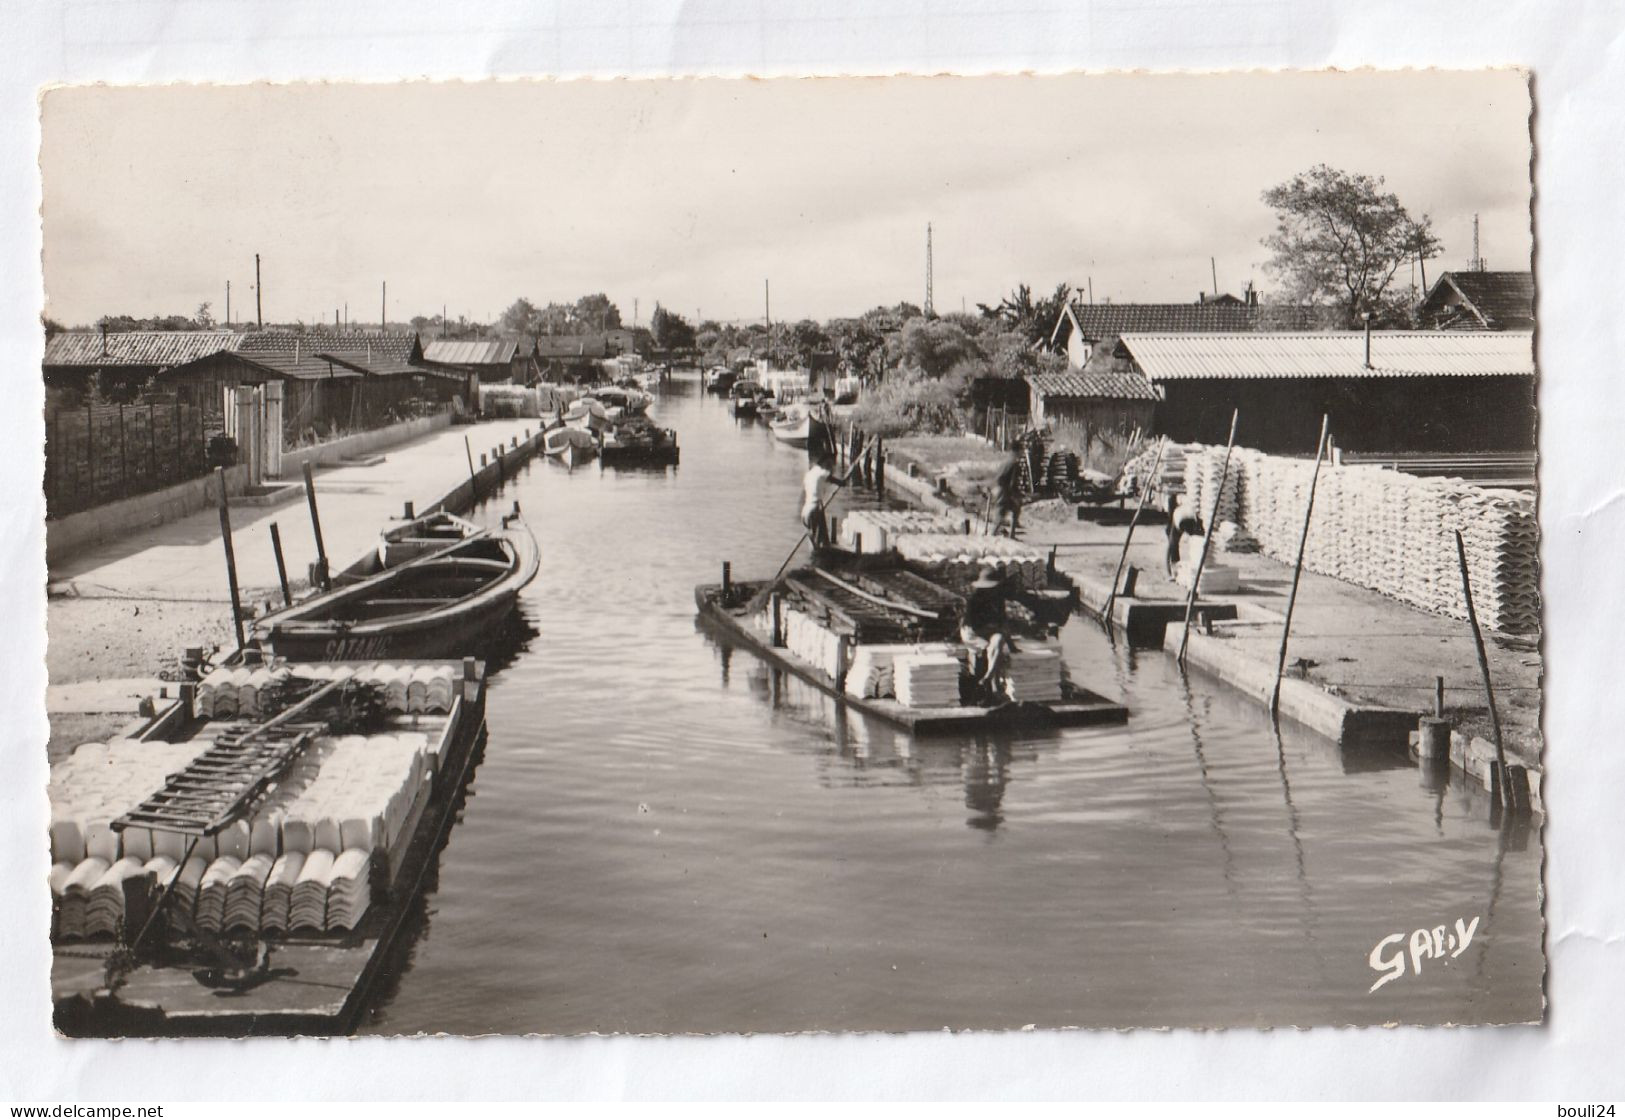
[1182, 370]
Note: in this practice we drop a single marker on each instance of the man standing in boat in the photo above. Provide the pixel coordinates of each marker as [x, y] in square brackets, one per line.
[816, 491]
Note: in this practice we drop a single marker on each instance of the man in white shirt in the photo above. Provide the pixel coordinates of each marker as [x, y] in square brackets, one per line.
[815, 494]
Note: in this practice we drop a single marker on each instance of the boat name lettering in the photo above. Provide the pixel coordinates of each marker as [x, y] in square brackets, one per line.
[355, 649]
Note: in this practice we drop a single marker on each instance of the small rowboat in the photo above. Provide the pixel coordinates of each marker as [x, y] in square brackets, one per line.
[793, 429]
[570, 445]
[444, 603]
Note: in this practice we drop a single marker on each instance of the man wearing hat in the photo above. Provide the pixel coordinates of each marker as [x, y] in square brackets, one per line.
[984, 632]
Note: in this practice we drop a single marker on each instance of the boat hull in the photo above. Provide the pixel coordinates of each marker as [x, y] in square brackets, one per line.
[1082, 709]
[331, 980]
[452, 627]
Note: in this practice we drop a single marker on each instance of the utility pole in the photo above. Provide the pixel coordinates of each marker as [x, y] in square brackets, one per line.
[930, 310]
[383, 308]
[259, 294]
[228, 303]
[1091, 291]
[442, 320]
[767, 302]
[1213, 264]
[634, 311]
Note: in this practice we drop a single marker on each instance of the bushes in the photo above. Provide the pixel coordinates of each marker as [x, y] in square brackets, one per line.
[909, 402]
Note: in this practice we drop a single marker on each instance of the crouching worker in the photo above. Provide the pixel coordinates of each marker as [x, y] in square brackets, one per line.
[1183, 520]
[985, 633]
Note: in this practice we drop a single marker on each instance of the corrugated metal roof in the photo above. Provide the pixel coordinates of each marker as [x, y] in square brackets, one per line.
[1169, 357]
[471, 352]
[1113, 384]
[135, 348]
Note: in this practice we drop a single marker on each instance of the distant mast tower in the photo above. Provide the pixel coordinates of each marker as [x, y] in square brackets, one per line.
[1477, 263]
[929, 309]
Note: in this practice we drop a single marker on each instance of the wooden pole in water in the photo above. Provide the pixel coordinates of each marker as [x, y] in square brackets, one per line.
[1297, 570]
[1207, 537]
[473, 476]
[1484, 669]
[316, 528]
[231, 559]
[281, 567]
[1145, 496]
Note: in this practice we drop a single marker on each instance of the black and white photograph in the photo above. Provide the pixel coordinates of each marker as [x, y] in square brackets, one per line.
[713, 556]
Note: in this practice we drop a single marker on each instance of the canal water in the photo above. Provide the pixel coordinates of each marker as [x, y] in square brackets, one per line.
[663, 835]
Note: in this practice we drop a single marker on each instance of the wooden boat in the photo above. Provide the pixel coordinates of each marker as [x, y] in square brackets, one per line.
[638, 443]
[569, 444]
[442, 604]
[408, 540]
[304, 982]
[746, 398]
[873, 604]
[720, 380]
[793, 428]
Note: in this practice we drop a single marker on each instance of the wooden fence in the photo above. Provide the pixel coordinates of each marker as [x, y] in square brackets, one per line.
[103, 453]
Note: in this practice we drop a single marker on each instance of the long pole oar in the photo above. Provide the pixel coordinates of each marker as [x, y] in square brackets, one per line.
[1207, 537]
[1145, 496]
[840, 482]
[1297, 571]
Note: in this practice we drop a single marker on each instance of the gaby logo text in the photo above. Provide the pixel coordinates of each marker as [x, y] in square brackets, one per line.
[1438, 943]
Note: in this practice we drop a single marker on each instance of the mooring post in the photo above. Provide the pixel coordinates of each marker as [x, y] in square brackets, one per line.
[281, 567]
[775, 607]
[1209, 527]
[473, 477]
[1484, 669]
[727, 582]
[319, 569]
[1128, 537]
[1297, 567]
[1438, 697]
[231, 559]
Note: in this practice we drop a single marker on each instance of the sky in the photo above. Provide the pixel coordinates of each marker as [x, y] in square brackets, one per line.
[693, 193]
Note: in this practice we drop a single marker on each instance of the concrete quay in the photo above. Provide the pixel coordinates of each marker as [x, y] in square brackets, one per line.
[1361, 667]
[183, 559]
[120, 610]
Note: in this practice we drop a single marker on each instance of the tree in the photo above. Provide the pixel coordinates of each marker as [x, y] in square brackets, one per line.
[670, 330]
[1339, 241]
[933, 346]
[859, 345]
[521, 317]
[1034, 319]
[204, 316]
[595, 313]
[421, 323]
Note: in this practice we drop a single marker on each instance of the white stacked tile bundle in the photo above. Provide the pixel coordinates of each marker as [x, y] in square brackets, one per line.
[1203, 469]
[307, 908]
[209, 912]
[75, 896]
[805, 637]
[100, 782]
[278, 895]
[245, 892]
[927, 680]
[873, 670]
[349, 890]
[878, 527]
[236, 693]
[1035, 674]
[959, 558]
[104, 905]
[1394, 532]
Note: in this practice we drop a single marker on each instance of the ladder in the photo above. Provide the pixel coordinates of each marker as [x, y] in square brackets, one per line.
[221, 784]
